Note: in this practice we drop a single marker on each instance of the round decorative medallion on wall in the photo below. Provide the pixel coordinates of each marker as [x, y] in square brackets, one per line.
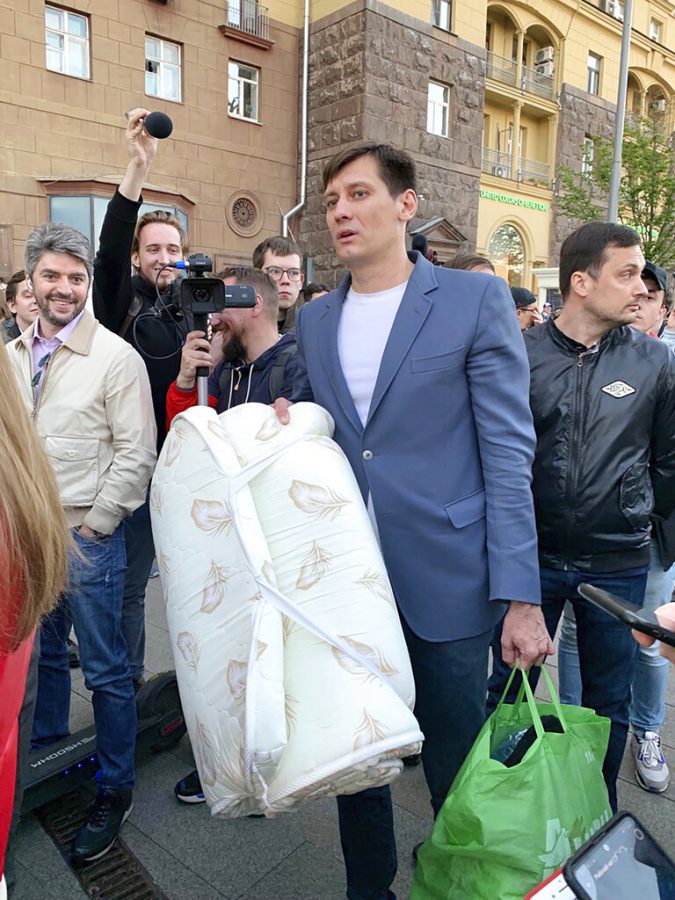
[243, 214]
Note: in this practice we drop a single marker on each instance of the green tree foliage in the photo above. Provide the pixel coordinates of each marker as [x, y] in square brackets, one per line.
[646, 193]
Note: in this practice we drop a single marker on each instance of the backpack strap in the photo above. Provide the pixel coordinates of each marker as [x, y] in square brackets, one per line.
[278, 371]
[135, 307]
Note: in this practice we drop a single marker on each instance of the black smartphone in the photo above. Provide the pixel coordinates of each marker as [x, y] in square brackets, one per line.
[622, 861]
[646, 623]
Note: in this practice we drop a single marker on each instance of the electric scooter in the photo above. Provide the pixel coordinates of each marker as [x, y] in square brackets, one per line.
[65, 765]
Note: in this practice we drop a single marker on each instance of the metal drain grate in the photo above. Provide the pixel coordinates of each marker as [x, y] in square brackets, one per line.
[118, 875]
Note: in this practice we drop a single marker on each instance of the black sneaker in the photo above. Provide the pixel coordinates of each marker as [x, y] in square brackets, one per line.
[189, 789]
[109, 812]
[412, 761]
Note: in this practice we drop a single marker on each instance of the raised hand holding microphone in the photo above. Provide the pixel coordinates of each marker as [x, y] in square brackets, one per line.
[141, 145]
[143, 131]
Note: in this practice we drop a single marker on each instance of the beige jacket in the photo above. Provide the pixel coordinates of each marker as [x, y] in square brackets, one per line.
[95, 417]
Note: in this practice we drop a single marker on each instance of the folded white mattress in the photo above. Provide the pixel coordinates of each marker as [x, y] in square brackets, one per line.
[292, 667]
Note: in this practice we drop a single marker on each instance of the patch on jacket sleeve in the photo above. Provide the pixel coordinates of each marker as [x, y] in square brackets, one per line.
[618, 389]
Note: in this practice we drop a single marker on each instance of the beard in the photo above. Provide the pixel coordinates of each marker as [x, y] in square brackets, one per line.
[234, 350]
[58, 319]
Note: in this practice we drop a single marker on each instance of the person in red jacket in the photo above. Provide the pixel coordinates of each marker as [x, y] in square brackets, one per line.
[33, 562]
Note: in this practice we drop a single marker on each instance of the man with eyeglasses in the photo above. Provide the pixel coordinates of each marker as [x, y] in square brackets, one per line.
[281, 259]
[526, 308]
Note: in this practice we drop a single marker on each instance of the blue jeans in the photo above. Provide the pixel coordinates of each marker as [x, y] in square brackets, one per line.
[450, 681]
[93, 605]
[569, 674]
[650, 681]
[607, 653]
[140, 554]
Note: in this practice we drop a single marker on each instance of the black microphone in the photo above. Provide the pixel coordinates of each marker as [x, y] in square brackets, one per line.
[158, 124]
[421, 244]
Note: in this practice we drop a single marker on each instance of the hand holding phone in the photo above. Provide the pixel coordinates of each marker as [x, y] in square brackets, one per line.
[642, 622]
[622, 861]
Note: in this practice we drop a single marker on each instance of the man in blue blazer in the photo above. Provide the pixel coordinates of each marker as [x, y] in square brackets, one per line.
[425, 374]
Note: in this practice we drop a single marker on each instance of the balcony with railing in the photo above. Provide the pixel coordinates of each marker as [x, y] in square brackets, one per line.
[501, 69]
[247, 20]
[537, 83]
[506, 71]
[534, 171]
[498, 163]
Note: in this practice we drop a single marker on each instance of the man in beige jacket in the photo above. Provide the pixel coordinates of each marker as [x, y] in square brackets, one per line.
[88, 394]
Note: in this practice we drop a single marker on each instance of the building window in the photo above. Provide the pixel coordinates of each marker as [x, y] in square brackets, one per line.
[437, 108]
[162, 69]
[242, 91]
[587, 151]
[593, 68]
[506, 251]
[441, 14]
[655, 31]
[67, 42]
[85, 212]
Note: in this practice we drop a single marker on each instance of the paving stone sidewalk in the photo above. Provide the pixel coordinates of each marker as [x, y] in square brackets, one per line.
[293, 857]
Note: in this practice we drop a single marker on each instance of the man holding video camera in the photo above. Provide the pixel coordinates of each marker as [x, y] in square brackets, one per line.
[142, 308]
[250, 362]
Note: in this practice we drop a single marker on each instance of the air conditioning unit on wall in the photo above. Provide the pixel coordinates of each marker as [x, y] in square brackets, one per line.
[544, 69]
[614, 8]
[658, 106]
[544, 55]
[500, 171]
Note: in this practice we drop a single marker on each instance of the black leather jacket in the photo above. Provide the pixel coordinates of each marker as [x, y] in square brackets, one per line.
[605, 459]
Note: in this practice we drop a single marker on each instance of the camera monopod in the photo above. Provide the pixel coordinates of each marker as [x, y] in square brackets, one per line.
[203, 296]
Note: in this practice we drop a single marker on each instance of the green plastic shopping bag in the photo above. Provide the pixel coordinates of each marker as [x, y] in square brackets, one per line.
[501, 830]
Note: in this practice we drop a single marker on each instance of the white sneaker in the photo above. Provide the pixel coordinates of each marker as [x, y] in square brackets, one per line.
[651, 769]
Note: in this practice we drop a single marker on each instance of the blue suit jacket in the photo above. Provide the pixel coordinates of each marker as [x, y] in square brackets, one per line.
[447, 450]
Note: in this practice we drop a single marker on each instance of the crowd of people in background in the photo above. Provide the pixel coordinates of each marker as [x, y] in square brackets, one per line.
[564, 421]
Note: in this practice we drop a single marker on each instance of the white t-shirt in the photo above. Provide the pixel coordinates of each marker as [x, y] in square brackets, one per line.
[363, 332]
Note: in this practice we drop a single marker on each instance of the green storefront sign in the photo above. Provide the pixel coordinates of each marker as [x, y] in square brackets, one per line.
[514, 201]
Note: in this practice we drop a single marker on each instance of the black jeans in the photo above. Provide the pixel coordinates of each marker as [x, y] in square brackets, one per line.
[450, 683]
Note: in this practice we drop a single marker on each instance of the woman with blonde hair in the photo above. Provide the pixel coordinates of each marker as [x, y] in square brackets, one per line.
[34, 545]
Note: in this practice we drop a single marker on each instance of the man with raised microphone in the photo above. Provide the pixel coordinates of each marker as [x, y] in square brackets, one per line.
[140, 307]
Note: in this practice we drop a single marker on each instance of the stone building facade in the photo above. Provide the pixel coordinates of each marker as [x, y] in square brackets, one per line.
[369, 71]
[581, 115]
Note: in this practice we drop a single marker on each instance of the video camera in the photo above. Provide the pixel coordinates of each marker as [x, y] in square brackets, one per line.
[201, 295]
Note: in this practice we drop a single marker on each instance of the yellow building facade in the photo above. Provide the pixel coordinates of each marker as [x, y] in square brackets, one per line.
[489, 97]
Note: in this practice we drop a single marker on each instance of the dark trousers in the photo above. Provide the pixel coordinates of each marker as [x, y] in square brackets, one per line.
[450, 682]
[140, 551]
[607, 653]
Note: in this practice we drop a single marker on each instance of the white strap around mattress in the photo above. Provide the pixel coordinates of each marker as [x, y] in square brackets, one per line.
[280, 601]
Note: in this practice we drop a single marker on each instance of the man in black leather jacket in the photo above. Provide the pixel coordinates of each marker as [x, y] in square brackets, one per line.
[603, 401]
[140, 308]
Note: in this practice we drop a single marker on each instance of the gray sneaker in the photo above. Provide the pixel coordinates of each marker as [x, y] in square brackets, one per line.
[651, 769]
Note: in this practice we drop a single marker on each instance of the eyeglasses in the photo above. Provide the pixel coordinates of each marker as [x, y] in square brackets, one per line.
[276, 273]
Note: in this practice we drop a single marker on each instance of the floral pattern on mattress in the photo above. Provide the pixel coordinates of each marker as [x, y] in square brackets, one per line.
[292, 667]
